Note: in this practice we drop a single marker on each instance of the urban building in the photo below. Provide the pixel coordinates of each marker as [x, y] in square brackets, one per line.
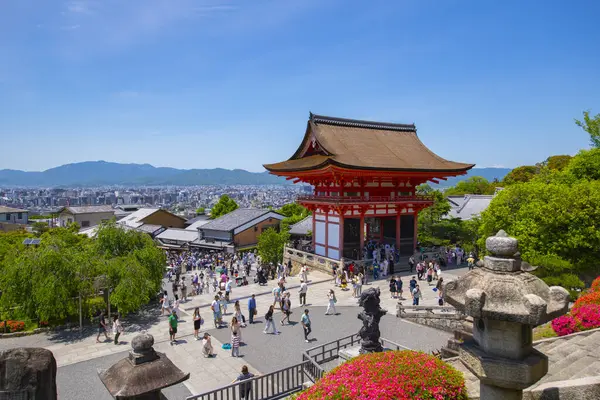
[86, 216]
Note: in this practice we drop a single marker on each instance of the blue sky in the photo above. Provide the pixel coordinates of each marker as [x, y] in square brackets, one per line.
[203, 84]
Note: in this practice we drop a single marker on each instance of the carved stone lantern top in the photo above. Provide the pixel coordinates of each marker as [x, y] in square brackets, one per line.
[144, 372]
[503, 290]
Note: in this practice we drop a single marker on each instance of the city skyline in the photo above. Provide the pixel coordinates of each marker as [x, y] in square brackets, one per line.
[208, 84]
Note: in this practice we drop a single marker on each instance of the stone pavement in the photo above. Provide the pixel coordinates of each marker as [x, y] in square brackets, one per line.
[207, 374]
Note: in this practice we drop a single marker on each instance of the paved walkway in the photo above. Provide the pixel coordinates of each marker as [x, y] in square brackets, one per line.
[206, 374]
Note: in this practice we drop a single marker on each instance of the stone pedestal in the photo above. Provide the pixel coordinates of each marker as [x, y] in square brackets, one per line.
[349, 353]
[27, 373]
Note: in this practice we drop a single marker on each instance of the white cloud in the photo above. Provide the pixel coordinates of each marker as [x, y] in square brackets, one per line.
[117, 24]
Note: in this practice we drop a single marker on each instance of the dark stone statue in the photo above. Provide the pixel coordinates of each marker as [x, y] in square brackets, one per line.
[370, 316]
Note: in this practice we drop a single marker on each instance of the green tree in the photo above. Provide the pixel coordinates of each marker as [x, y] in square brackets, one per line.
[549, 219]
[430, 218]
[592, 126]
[521, 174]
[40, 228]
[225, 205]
[293, 213]
[585, 165]
[133, 266]
[292, 209]
[42, 282]
[557, 163]
[200, 210]
[471, 185]
[270, 245]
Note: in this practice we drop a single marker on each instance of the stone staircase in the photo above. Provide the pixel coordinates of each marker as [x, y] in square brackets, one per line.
[571, 359]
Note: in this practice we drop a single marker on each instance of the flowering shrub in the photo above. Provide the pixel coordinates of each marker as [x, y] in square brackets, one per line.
[564, 325]
[13, 326]
[591, 297]
[584, 315]
[390, 375]
[595, 285]
[587, 316]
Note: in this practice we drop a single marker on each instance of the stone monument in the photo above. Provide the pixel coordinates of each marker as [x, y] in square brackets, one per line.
[143, 374]
[506, 302]
[27, 374]
[370, 316]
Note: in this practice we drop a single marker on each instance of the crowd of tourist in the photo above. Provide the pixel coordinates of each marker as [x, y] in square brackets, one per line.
[216, 273]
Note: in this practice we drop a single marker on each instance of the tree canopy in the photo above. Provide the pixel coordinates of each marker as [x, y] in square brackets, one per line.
[270, 245]
[472, 185]
[43, 282]
[225, 205]
[293, 213]
[521, 174]
[592, 126]
[555, 216]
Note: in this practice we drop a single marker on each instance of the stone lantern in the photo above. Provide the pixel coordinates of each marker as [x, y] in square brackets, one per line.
[506, 302]
[143, 374]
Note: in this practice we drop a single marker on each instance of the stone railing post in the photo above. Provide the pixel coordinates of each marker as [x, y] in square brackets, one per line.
[506, 302]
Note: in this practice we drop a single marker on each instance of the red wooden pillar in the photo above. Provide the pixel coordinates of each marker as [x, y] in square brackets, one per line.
[416, 214]
[341, 245]
[314, 232]
[327, 233]
[398, 229]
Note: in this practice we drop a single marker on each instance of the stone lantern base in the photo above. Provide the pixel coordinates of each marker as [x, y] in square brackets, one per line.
[503, 378]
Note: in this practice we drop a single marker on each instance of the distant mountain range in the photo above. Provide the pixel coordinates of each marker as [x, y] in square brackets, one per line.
[98, 173]
[488, 173]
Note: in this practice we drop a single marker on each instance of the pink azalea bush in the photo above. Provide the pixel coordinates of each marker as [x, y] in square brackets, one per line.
[564, 325]
[587, 316]
[584, 315]
[390, 375]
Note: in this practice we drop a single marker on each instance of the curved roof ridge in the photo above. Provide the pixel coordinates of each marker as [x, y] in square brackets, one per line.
[357, 123]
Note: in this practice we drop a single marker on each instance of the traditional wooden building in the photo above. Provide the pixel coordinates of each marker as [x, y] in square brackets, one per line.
[364, 176]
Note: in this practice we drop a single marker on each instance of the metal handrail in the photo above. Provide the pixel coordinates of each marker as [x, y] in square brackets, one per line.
[366, 199]
[273, 385]
[286, 381]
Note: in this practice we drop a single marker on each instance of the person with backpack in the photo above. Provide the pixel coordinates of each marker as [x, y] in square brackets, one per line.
[411, 263]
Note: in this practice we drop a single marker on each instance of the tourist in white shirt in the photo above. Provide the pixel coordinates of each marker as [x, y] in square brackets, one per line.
[331, 302]
[302, 291]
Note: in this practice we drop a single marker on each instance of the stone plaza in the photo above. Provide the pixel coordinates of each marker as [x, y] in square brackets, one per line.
[79, 357]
